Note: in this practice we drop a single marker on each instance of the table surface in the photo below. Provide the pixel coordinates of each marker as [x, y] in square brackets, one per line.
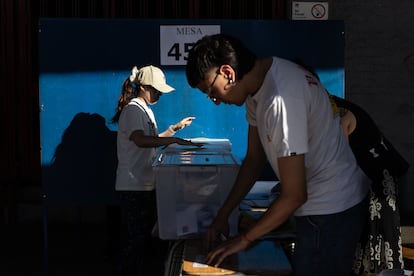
[264, 257]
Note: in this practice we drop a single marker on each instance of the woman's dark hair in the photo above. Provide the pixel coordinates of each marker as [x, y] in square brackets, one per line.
[128, 92]
[214, 51]
[307, 67]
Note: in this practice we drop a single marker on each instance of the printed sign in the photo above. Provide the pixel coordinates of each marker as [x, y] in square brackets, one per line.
[309, 10]
[176, 41]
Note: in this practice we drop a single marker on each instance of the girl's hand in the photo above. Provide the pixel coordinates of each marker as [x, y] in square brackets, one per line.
[183, 123]
[188, 143]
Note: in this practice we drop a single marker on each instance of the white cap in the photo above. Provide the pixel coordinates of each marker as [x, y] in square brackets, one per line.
[150, 75]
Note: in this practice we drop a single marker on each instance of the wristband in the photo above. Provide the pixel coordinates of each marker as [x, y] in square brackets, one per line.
[170, 129]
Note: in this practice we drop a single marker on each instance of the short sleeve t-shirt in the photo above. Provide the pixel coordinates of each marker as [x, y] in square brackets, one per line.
[293, 115]
[134, 172]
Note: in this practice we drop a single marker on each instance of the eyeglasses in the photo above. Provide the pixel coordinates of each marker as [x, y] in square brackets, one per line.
[208, 90]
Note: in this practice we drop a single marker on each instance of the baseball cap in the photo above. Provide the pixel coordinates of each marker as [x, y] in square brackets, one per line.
[151, 75]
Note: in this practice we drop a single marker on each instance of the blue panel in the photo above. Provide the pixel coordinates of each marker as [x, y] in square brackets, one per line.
[83, 63]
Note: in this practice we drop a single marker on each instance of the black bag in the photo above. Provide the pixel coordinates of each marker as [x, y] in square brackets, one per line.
[380, 157]
[374, 153]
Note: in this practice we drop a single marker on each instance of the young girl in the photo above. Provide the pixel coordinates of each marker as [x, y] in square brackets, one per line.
[137, 140]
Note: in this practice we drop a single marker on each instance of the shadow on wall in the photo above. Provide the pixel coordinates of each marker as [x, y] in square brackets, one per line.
[84, 164]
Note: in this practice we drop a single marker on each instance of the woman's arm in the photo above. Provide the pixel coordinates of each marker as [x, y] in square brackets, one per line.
[348, 122]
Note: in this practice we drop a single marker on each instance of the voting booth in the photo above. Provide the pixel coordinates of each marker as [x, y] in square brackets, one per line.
[82, 64]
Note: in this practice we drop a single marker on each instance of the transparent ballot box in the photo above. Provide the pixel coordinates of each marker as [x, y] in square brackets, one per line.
[191, 184]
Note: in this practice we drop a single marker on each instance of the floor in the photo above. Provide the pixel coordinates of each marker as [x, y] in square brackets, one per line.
[71, 250]
[81, 241]
[75, 242]
[69, 246]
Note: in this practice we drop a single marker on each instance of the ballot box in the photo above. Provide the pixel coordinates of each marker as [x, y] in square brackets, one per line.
[261, 258]
[191, 185]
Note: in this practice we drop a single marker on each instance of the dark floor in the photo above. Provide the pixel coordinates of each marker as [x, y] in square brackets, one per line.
[72, 244]
[74, 241]
[63, 249]
[72, 250]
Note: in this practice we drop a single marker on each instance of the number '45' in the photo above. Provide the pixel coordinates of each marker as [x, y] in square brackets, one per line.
[175, 50]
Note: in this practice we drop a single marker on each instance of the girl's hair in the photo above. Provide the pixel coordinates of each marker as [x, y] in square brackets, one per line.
[214, 51]
[128, 92]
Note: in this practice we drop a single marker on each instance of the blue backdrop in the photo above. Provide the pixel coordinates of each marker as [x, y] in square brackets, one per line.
[83, 63]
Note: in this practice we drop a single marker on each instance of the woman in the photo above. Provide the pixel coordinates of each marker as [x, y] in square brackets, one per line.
[380, 246]
[137, 140]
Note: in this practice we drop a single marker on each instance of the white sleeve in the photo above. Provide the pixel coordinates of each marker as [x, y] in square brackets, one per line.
[286, 126]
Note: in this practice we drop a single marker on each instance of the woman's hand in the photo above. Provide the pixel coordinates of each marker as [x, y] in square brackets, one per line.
[183, 123]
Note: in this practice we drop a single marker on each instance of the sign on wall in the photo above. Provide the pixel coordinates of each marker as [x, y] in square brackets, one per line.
[176, 41]
[309, 10]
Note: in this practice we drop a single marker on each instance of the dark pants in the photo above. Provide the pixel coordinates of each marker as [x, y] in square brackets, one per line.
[326, 244]
[142, 253]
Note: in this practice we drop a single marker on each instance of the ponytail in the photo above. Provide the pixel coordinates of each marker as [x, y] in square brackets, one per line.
[128, 92]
